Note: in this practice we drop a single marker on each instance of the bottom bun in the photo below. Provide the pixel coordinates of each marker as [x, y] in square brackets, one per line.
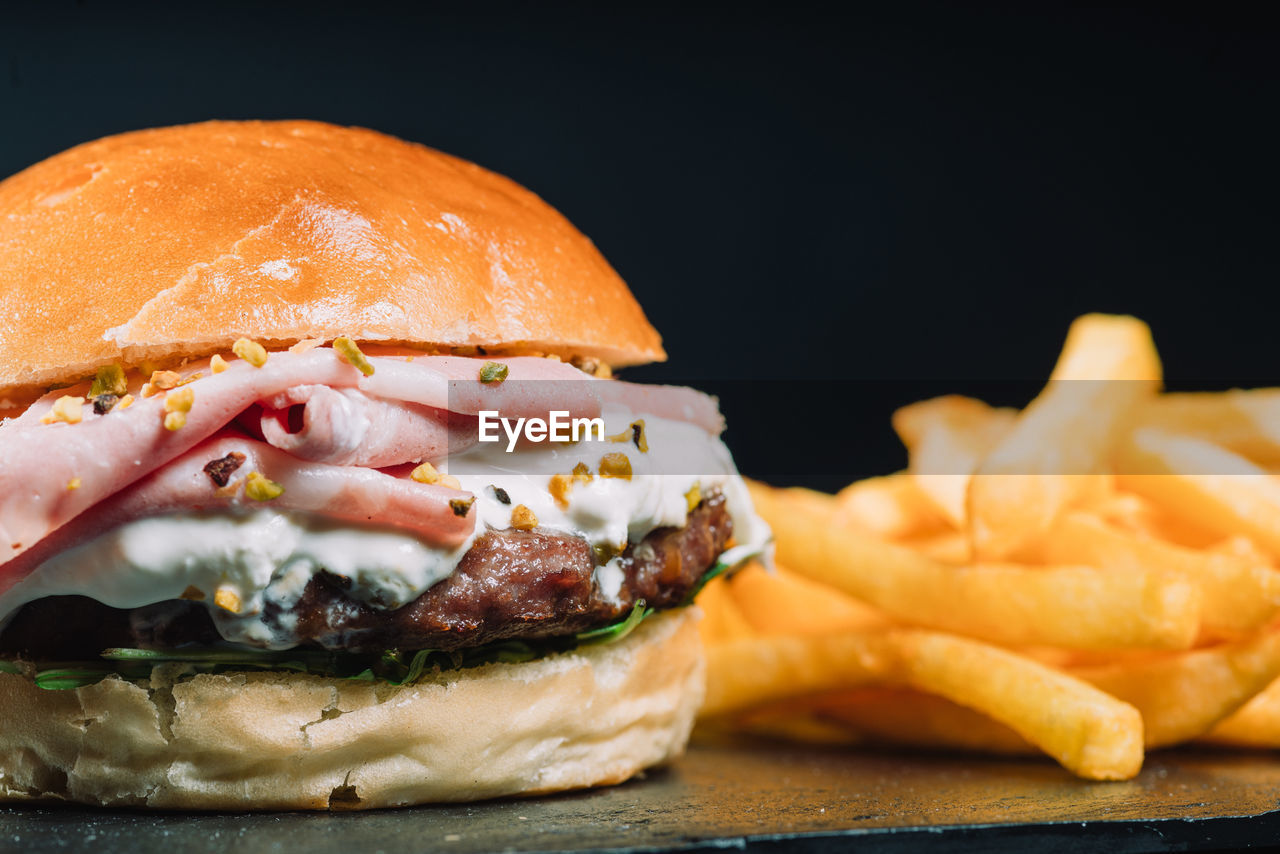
[272, 741]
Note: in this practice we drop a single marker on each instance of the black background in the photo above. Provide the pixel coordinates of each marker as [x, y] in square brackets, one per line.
[918, 197]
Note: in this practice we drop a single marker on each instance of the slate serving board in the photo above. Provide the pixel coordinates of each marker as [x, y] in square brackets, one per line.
[754, 796]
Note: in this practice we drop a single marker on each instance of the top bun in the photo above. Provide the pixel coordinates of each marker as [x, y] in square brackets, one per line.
[177, 241]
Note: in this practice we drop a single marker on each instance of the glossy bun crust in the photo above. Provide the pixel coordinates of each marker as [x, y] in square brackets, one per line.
[179, 240]
[273, 741]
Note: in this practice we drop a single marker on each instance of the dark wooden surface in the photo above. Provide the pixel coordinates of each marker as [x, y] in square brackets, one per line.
[755, 796]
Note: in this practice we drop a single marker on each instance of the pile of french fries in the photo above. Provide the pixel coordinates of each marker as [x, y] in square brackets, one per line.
[1087, 578]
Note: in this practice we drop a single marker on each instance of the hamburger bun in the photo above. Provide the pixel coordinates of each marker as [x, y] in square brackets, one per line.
[279, 741]
[177, 241]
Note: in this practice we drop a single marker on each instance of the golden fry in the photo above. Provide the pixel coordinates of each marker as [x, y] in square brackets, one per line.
[1079, 607]
[1092, 734]
[1246, 422]
[1255, 724]
[1107, 370]
[784, 603]
[1236, 594]
[1209, 486]
[1183, 696]
[891, 506]
[947, 438]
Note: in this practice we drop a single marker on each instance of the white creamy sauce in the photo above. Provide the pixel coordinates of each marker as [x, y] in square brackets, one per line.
[264, 557]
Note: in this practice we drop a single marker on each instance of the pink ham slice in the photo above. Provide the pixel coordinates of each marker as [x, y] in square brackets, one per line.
[52, 473]
[346, 427]
[342, 492]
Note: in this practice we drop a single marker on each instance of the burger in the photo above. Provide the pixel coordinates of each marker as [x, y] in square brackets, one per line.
[317, 489]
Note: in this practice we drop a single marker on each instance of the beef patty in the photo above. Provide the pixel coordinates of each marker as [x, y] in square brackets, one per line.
[510, 585]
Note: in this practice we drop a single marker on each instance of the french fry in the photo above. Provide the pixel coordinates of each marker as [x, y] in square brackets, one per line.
[1236, 594]
[1246, 422]
[1183, 696]
[1077, 607]
[1090, 733]
[1064, 438]
[784, 603]
[890, 506]
[947, 438]
[1205, 484]
[749, 672]
[1255, 724]
[721, 618]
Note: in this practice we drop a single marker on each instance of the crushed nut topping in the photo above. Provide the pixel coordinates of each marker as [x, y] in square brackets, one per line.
[559, 487]
[693, 497]
[306, 345]
[500, 494]
[165, 380]
[553, 357]
[221, 469]
[351, 354]
[615, 465]
[251, 351]
[175, 420]
[227, 599]
[634, 433]
[103, 403]
[595, 367]
[110, 379]
[217, 364]
[179, 400]
[523, 519]
[65, 409]
[493, 372]
[460, 506]
[192, 594]
[260, 488]
[426, 473]
[126, 401]
[74, 483]
[449, 481]
[582, 474]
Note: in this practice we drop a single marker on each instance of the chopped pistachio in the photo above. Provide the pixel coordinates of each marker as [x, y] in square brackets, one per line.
[559, 488]
[493, 372]
[221, 469]
[615, 465]
[65, 409]
[460, 506]
[227, 599]
[166, 380]
[179, 400]
[605, 552]
[260, 488]
[306, 344]
[350, 353]
[74, 483]
[104, 403]
[633, 433]
[175, 420]
[500, 494]
[217, 364]
[109, 380]
[251, 351]
[523, 519]
[192, 594]
[694, 496]
[426, 473]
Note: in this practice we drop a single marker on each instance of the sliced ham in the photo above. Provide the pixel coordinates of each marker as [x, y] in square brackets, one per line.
[346, 427]
[343, 492]
[52, 473]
